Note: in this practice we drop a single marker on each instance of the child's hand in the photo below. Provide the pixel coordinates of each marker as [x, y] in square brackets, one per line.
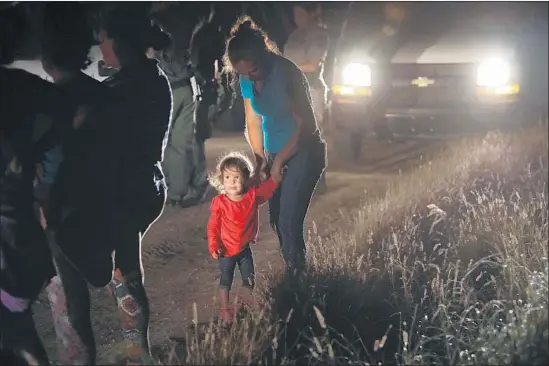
[254, 181]
[216, 254]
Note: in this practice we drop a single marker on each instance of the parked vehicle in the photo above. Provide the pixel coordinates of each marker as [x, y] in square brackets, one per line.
[456, 68]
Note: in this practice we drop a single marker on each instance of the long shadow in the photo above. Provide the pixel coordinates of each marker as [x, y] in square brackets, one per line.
[356, 312]
[175, 352]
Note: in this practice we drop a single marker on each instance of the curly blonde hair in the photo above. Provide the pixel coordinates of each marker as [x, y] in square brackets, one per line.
[234, 159]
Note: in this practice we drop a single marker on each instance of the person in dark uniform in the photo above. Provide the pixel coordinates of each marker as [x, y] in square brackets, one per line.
[207, 46]
[82, 191]
[187, 181]
[25, 258]
[144, 94]
[138, 111]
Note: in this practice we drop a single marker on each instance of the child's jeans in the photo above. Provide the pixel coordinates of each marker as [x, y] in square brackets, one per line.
[245, 262]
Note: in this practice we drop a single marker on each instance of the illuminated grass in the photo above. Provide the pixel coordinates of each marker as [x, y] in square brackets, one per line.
[450, 267]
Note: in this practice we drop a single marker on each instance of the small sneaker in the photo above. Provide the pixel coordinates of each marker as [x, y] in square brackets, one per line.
[227, 315]
[172, 203]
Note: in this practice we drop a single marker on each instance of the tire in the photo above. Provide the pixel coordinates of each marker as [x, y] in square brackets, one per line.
[527, 116]
[346, 144]
[355, 145]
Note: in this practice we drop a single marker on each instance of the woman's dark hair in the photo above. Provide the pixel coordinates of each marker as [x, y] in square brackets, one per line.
[247, 42]
[134, 33]
[67, 36]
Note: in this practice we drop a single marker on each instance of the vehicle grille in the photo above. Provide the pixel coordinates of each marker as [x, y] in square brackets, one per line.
[453, 85]
[432, 70]
[408, 97]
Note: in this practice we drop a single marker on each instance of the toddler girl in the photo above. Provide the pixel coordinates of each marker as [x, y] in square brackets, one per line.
[234, 222]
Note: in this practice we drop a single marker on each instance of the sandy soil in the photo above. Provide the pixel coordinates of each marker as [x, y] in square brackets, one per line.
[178, 269]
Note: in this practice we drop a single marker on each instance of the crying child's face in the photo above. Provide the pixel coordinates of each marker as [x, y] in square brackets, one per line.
[233, 181]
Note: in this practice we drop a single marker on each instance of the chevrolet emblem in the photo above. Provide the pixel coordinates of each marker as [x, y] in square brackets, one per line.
[422, 82]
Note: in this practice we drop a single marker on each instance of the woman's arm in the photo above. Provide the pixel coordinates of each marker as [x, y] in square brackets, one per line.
[303, 114]
[265, 191]
[254, 133]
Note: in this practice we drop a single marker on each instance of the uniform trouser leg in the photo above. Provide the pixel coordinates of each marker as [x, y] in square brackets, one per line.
[70, 304]
[25, 268]
[178, 162]
[200, 176]
[69, 298]
[203, 132]
[129, 293]
[318, 97]
[127, 285]
[20, 343]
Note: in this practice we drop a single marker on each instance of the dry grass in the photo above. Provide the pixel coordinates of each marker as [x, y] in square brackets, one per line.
[450, 267]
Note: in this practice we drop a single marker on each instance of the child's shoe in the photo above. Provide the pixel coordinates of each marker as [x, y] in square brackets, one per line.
[227, 315]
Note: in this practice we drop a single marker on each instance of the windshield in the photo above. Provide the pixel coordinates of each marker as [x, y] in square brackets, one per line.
[469, 17]
[440, 18]
[447, 25]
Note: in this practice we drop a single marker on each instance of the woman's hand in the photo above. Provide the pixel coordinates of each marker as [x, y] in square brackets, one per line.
[276, 172]
[260, 170]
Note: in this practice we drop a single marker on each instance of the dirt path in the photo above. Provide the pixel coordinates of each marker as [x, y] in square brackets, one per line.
[178, 268]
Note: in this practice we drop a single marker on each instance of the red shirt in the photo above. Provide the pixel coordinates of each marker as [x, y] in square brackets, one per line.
[233, 225]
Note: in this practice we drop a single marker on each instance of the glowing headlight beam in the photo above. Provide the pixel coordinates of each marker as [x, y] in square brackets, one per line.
[356, 74]
[493, 73]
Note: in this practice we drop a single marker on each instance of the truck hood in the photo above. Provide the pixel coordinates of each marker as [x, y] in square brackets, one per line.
[461, 48]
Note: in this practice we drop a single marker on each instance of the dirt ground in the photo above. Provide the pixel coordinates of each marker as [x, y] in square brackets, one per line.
[178, 268]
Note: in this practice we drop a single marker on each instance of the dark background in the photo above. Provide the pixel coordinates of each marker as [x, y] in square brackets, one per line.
[276, 17]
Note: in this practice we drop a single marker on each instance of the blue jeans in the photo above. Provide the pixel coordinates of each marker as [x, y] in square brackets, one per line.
[290, 203]
[227, 265]
[51, 162]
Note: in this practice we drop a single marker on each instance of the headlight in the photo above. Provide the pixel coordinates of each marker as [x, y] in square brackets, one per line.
[493, 73]
[356, 74]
